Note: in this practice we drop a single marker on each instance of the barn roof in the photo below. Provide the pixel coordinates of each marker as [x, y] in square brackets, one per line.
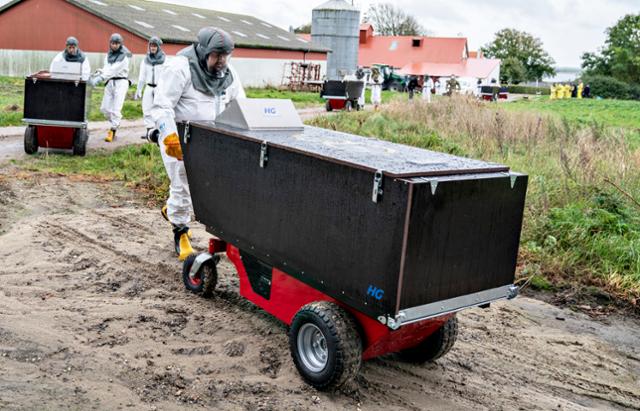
[398, 51]
[180, 24]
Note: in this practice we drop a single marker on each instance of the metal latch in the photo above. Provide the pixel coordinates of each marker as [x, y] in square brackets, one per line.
[377, 186]
[187, 135]
[263, 155]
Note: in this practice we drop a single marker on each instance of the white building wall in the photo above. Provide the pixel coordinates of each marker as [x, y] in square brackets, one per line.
[254, 72]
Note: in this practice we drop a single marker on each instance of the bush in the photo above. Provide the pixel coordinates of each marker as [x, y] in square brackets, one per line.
[609, 87]
[529, 90]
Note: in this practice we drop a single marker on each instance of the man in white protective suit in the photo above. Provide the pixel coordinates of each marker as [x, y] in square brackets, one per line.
[73, 54]
[151, 69]
[196, 85]
[116, 74]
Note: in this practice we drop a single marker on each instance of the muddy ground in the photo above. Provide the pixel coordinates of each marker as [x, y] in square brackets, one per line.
[93, 315]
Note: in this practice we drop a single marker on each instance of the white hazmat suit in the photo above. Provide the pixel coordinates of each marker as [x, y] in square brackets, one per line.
[116, 76]
[148, 79]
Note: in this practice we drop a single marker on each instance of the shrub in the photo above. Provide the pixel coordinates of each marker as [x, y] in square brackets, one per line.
[609, 87]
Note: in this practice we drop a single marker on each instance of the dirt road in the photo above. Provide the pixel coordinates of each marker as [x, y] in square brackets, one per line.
[93, 315]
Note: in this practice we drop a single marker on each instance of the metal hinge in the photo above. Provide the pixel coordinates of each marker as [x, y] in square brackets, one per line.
[263, 155]
[187, 134]
[377, 186]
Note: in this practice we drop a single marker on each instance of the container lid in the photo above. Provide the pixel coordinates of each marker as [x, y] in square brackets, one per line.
[395, 160]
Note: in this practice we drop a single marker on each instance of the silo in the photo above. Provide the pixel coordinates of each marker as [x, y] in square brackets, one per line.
[336, 25]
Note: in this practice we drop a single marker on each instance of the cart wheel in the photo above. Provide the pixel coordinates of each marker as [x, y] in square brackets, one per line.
[206, 278]
[80, 137]
[348, 106]
[31, 140]
[328, 106]
[325, 345]
[434, 346]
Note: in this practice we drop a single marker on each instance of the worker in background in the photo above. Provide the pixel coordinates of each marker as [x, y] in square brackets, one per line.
[360, 76]
[150, 71]
[73, 54]
[412, 85]
[587, 91]
[552, 92]
[453, 86]
[427, 85]
[376, 88]
[567, 91]
[115, 72]
[580, 90]
[196, 85]
[574, 91]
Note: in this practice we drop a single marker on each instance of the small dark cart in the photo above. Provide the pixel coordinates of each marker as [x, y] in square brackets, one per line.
[363, 247]
[55, 111]
[342, 95]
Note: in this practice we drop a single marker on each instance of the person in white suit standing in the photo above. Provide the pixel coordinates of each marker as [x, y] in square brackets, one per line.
[115, 73]
[151, 69]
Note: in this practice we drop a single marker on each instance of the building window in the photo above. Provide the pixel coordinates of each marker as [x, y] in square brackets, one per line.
[416, 43]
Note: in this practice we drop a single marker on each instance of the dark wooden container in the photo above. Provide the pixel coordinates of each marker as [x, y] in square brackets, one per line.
[435, 227]
[55, 100]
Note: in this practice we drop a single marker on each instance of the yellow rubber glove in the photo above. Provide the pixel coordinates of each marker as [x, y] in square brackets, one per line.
[172, 146]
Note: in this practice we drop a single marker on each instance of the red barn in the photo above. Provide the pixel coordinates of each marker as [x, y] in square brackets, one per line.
[33, 31]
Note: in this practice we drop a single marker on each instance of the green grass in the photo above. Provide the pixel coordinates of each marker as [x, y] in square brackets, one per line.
[301, 99]
[11, 103]
[611, 113]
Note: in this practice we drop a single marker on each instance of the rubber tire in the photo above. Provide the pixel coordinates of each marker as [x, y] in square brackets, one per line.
[343, 342]
[434, 346]
[328, 106]
[31, 140]
[207, 270]
[348, 106]
[80, 137]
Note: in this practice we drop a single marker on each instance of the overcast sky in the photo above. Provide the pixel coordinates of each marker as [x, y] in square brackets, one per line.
[566, 27]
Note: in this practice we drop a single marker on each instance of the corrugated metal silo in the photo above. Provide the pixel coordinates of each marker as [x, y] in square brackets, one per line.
[336, 25]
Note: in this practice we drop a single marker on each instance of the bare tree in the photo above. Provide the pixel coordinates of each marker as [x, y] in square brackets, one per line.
[388, 20]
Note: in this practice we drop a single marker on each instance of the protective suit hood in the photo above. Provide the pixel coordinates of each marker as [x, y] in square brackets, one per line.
[121, 53]
[210, 40]
[79, 57]
[159, 56]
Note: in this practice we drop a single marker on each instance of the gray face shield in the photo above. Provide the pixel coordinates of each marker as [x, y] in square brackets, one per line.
[213, 40]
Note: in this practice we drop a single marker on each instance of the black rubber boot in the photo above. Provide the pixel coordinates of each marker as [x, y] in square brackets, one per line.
[182, 242]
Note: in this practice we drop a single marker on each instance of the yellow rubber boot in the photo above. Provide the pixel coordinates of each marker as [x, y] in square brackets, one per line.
[111, 134]
[182, 243]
